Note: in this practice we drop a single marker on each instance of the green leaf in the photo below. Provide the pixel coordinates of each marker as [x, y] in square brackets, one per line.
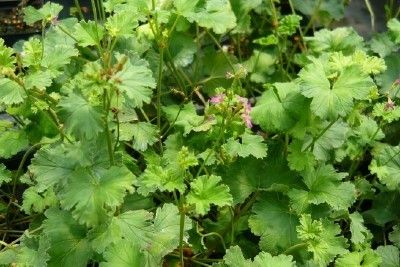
[5, 175]
[68, 245]
[368, 131]
[330, 101]
[359, 233]
[185, 8]
[387, 78]
[47, 12]
[167, 173]
[11, 92]
[89, 33]
[82, 119]
[279, 109]
[33, 251]
[207, 190]
[123, 254]
[92, 195]
[384, 208]
[155, 240]
[121, 24]
[32, 52]
[390, 256]
[322, 239]
[184, 117]
[298, 159]
[160, 178]
[365, 258]
[274, 222]
[387, 114]
[12, 142]
[216, 15]
[182, 48]
[7, 58]
[234, 258]
[35, 202]
[369, 64]
[248, 175]
[394, 27]
[394, 236]
[327, 137]
[57, 56]
[144, 134]
[324, 185]
[340, 39]
[260, 66]
[39, 79]
[288, 25]
[324, 11]
[50, 166]
[135, 80]
[242, 10]
[382, 44]
[248, 144]
[386, 165]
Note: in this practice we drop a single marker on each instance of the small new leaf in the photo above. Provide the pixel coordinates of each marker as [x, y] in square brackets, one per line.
[207, 190]
[322, 239]
[234, 258]
[249, 144]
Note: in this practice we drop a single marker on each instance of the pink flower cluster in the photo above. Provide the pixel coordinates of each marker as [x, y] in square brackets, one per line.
[219, 98]
[246, 111]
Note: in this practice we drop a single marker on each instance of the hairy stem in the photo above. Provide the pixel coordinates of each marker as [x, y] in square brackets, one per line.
[79, 9]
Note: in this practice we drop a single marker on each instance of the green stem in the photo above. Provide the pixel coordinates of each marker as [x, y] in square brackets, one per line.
[211, 234]
[43, 27]
[221, 49]
[313, 17]
[216, 144]
[294, 248]
[300, 29]
[4, 244]
[78, 7]
[53, 117]
[320, 134]
[160, 73]
[106, 105]
[21, 165]
[181, 232]
[102, 11]
[94, 10]
[371, 13]
[198, 262]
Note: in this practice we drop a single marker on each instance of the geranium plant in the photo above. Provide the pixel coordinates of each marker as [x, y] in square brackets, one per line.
[199, 133]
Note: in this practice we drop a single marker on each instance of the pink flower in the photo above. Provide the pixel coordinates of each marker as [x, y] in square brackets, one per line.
[246, 111]
[217, 99]
[397, 82]
[247, 120]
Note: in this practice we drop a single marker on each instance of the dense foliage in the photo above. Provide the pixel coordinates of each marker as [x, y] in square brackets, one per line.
[200, 133]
